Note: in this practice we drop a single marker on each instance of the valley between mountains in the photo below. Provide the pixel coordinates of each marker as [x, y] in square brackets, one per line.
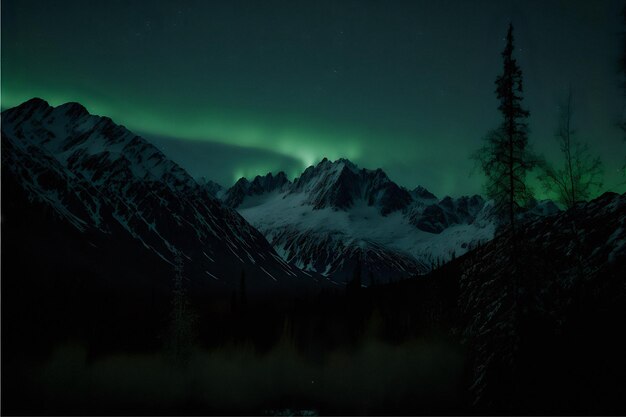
[109, 245]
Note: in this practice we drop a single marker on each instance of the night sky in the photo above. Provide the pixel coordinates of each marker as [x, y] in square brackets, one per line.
[238, 88]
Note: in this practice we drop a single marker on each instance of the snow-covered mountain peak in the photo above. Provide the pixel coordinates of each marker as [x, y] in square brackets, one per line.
[325, 172]
[72, 110]
[336, 210]
[336, 215]
[104, 180]
[268, 182]
[33, 107]
[422, 193]
[347, 164]
[34, 103]
[340, 184]
[243, 188]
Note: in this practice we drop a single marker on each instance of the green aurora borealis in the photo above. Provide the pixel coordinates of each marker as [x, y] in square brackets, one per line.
[239, 88]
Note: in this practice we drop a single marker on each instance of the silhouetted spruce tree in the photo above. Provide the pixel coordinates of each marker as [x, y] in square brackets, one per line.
[505, 158]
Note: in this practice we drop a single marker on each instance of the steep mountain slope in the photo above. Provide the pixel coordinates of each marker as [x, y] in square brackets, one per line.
[341, 184]
[106, 181]
[336, 215]
[543, 316]
[214, 189]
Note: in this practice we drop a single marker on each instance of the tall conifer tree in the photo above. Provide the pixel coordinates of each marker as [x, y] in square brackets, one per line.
[505, 158]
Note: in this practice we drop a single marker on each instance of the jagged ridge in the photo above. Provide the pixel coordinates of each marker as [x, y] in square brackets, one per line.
[335, 215]
[102, 178]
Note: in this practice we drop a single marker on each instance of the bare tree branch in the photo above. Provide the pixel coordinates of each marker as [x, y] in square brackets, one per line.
[581, 173]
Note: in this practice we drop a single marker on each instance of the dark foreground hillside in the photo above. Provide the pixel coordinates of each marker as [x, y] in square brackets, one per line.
[535, 330]
[556, 347]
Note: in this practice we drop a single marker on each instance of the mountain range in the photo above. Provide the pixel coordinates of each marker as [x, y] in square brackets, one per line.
[336, 215]
[107, 182]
